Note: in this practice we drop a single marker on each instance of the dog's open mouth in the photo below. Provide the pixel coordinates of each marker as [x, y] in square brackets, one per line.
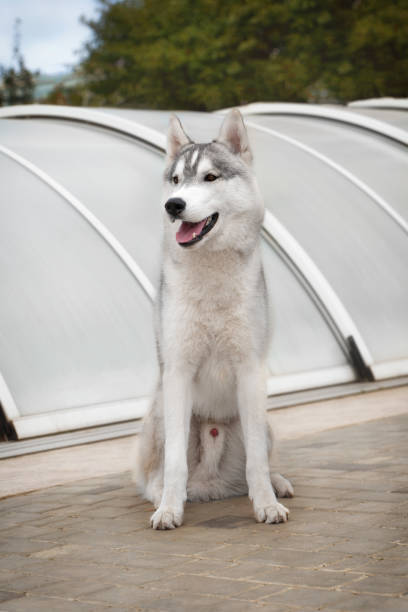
[190, 233]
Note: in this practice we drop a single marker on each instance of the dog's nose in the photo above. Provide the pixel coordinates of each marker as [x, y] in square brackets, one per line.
[175, 206]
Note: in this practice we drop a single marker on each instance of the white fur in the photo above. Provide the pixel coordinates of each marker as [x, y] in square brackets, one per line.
[212, 338]
[179, 167]
[194, 158]
[205, 166]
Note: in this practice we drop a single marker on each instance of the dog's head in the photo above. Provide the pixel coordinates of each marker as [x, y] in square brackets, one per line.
[210, 190]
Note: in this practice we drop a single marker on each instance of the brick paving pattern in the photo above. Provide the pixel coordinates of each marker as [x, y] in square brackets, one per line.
[87, 546]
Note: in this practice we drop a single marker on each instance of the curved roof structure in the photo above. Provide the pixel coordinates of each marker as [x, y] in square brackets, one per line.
[80, 223]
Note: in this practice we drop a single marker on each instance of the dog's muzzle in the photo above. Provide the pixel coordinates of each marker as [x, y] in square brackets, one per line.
[175, 206]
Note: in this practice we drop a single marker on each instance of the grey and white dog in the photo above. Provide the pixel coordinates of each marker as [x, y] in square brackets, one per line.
[206, 435]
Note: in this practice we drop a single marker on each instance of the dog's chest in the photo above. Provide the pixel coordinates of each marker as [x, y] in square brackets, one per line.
[205, 319]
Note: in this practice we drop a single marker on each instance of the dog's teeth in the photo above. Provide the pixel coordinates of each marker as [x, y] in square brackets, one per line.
[194, 234]
[208, 220]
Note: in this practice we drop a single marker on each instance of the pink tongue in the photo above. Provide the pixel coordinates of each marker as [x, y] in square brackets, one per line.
[186, 230]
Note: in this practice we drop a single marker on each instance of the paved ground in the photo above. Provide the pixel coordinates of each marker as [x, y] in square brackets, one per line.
[46, 469]
[86, 545]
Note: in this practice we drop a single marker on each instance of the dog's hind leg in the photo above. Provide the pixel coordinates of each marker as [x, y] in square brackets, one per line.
[282, 486]
[154, 487]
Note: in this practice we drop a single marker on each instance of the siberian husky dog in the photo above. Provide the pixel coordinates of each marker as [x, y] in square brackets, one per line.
[206, 435]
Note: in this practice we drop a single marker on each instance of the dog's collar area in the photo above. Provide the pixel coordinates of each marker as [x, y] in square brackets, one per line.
[190, 233]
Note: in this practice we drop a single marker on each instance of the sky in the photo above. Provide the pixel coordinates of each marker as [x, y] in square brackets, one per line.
[51, 32]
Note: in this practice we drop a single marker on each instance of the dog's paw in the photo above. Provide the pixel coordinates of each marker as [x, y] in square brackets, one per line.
[198, 492]
[166, 518]
[281, 485]
[275, 513]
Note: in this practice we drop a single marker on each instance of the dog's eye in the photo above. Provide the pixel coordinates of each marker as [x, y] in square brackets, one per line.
[175, 179]
[210, 177]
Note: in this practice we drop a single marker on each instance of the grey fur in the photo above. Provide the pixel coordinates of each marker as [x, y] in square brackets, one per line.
[216, 152]
[212, 335]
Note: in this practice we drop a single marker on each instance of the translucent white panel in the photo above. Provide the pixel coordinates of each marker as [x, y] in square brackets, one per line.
[158, 120]
[76, 328]
[362, 252]
[398, 118]
[380, 162]
[201, 127]
[301, 339]
[118, 179]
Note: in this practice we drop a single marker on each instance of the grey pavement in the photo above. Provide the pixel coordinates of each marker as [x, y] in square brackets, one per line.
[45, 469]
[86, 545]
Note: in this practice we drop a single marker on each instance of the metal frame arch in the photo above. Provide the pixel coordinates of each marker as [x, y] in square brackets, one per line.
[334, 309]
[7, 400]
[373, 195]
[157, 140]
[324, 112]
[83, 115]
[333, 306]
[88, 216]
[381, 103]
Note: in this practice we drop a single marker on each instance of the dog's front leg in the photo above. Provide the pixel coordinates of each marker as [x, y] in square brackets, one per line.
[252, 410]
[177, 413]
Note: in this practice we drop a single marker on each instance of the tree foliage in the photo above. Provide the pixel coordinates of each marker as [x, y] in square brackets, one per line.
[16, 82]
[207, 54]
[17, 85]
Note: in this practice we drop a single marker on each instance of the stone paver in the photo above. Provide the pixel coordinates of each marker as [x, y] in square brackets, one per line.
[87, 545]
[46, 469]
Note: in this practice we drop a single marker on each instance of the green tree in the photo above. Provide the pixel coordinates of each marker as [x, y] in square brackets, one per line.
[17, 83]
[206, 54]
[375, 58]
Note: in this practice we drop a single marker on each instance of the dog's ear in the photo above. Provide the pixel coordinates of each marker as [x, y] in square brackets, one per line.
[176, 138]
[233, 134]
